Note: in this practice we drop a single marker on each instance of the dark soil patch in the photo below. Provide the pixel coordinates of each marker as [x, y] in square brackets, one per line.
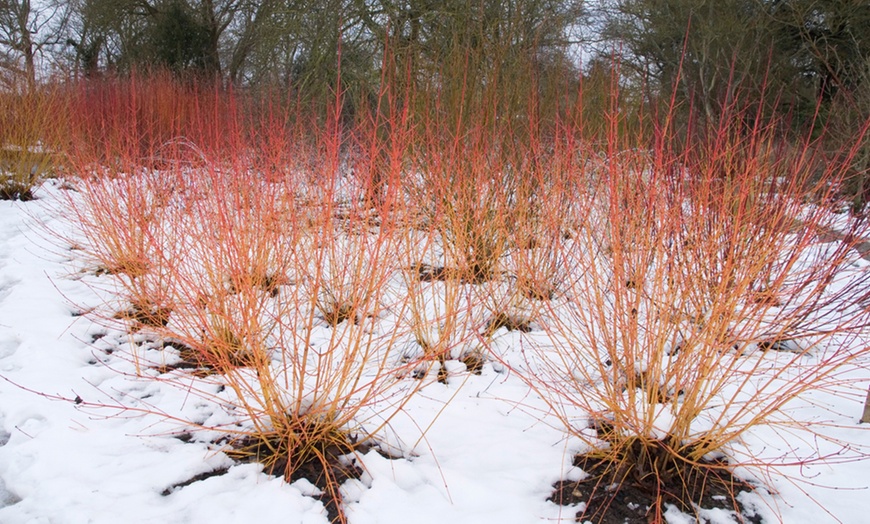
[190, 360]
[336, 313]
[765, 298]
[103, 270]
[214, 358]
[542, 292]
[529, 242]
[612, 496]
[509, 322]
[196, 478]
[145, 315]
[428, 273]
[270, 283]
[14, 191]
[326, 467]
[474, 361]
[132, 269]
[443, 375]
[478, 272]
[777, 345]
[473, 274]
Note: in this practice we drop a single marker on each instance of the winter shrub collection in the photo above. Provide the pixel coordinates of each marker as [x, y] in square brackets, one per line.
[674, 288]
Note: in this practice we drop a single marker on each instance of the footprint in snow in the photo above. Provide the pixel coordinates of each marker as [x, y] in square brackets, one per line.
[7, 498]
[6, 286]
[8, 345]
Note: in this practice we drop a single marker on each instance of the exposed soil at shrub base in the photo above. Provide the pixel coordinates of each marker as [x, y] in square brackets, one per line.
[313, 471]
[15, 191]
[609, 501]
[327, 471]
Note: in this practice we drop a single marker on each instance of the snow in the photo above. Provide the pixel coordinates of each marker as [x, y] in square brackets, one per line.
[82, 439]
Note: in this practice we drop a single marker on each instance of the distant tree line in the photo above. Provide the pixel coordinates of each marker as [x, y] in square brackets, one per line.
[809, 56]
[275, 42]
[805, 52]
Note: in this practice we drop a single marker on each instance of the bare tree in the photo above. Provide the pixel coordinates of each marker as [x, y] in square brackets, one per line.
[26, 31]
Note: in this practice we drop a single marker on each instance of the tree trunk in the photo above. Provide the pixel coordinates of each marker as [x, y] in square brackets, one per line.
[29, 64]
[212, 63]
[25, 43]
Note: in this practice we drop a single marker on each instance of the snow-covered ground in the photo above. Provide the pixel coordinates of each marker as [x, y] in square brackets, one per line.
[77, 446]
